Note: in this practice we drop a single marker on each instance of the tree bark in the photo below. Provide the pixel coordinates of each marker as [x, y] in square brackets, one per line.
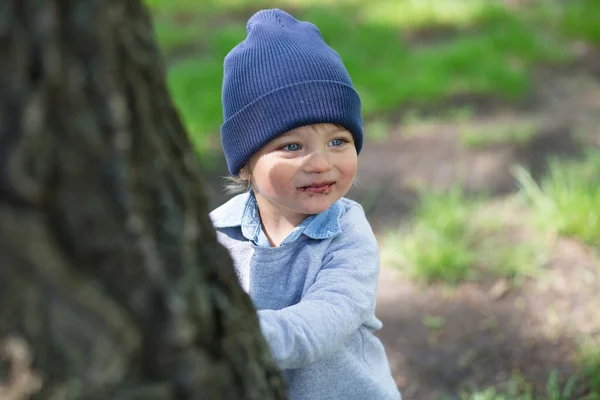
[112, 283]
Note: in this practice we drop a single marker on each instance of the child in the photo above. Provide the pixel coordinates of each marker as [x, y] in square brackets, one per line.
[305, 254]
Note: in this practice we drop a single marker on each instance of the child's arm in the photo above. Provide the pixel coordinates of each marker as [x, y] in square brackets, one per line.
[335, 306]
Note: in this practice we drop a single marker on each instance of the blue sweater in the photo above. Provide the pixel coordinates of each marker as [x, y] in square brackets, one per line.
[315, 297]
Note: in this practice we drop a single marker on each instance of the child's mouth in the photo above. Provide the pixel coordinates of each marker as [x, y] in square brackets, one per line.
[318, 188]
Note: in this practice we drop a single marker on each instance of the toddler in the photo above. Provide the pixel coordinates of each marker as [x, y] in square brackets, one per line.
[304, 253]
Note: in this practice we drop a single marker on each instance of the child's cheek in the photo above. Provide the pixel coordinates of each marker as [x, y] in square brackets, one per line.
[348, 167]
[275, 180]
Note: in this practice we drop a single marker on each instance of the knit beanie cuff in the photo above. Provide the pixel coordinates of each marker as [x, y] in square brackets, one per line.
[287, 108]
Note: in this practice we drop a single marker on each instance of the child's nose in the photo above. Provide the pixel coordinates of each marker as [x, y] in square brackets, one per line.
[317, 162]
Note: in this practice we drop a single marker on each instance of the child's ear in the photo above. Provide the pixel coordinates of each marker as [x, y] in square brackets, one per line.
[244, 175]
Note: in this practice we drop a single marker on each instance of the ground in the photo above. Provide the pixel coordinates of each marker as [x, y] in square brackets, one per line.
[487, 334]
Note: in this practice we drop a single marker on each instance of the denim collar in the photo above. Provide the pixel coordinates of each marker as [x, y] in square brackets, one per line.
[242, 211]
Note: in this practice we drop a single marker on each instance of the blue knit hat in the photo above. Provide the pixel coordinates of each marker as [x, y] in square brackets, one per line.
[281, 77]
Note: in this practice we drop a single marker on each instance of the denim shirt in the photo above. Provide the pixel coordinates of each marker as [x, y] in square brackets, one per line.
[320, 226]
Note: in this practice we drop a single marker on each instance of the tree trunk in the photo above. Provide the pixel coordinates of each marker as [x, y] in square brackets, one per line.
[112, 284]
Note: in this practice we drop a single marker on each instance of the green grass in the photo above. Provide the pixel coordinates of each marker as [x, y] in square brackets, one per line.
[567, 200]
[592, 372]
[171, 35]
[405, 12]
[519, 389]
[579, 19]
[590, 355]
[454, 238]
[492, 52]
[195, 84]
[438, 245]
[557, 387]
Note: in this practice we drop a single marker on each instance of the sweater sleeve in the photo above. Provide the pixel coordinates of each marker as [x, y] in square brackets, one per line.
[336, 305]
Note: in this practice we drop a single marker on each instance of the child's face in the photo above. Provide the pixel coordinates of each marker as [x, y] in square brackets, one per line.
[303, 171]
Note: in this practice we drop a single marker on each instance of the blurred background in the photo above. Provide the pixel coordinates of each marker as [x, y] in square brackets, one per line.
[480, 175]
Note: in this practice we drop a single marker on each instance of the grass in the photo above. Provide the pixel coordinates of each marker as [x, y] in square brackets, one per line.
[438, 245]
[491, 50]
[451, 237]
[590, 354]
[454, 238]
[580, 20]
[410, 13]
[566, 201]
[592, 373]
[519, 389]
[171, 35]
[195, 84]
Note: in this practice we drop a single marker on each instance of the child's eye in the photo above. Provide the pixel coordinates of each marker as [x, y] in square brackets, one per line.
[291, 147]
[338, 142]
